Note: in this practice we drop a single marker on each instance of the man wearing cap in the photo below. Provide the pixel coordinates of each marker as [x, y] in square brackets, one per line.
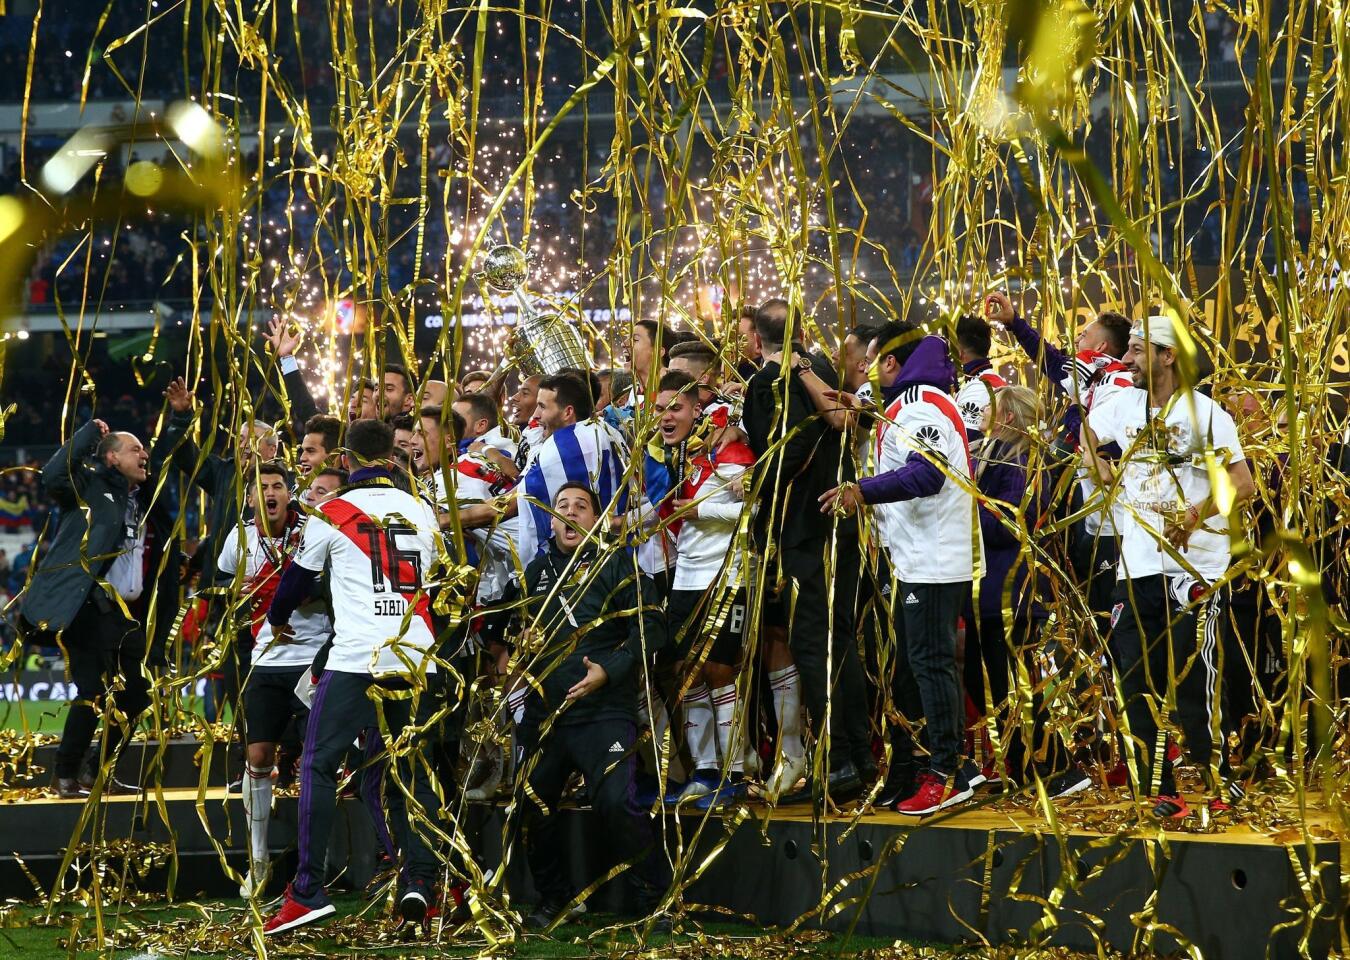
[1175, 548]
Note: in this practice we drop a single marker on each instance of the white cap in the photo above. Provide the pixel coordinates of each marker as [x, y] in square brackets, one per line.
[1157, 330]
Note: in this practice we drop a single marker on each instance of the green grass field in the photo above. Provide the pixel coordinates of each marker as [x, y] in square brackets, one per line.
[34, 716]
[45, 716]
[138, 933]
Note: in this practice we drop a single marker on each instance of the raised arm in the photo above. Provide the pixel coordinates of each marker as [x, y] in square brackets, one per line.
[1053, 361]
[295, 396]
[184, 454]
[59, 476]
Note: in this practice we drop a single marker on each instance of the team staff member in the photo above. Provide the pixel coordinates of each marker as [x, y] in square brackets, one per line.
[800, 458]
[94, 567]
[584, 645]
[256, 559]
[1174, 548]
[379, 544]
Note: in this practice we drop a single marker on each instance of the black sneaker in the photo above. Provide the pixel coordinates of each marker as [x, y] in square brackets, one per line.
[413, 905]
[236, 786]
[969, 775]
[1066, 784]
[70, 788]
[901, 782]
[112, 787]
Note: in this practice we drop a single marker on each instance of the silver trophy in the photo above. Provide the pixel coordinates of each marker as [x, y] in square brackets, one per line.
[542, 342]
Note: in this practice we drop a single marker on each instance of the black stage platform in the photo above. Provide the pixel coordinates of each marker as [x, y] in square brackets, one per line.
[988, 873]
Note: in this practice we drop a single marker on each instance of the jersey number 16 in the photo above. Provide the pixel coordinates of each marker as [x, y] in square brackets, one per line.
[401, 568]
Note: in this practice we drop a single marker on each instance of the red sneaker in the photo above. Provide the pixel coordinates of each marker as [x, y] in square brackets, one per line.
[990, 770]
[294, 914]
[932, 796]
[1173, 751]
[1170, 807]
[1118, 776]
[1219, 806]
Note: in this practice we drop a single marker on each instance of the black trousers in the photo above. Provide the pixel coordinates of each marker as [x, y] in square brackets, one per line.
[105, 655]
[1094, 557]
[602, 750]
[925, 680]
[1254, 660]
[822, 633]
[1169, 659]
[342, 708]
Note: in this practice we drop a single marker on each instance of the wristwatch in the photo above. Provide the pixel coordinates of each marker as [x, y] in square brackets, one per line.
[801, 363]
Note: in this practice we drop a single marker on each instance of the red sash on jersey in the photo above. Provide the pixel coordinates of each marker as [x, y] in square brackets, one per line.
[479, 470]
[701, 468]
[932, 396]
[347, 517]
[993, 379]
[262, 586]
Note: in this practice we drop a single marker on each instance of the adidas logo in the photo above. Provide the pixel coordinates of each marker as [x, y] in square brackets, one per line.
[911, 599]
[1104, 565]
[616, 748]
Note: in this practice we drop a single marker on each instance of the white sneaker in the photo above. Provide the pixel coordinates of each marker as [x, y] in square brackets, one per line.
[256, 881]
[784, 777]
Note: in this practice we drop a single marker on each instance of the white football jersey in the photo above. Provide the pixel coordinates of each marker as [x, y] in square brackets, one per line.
[707, 543]
[255, 563]
[477, 480]
[929, 539]
[1164, 470]
[378, 543]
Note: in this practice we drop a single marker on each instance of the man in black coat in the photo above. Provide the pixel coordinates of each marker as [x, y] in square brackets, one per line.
[800, 458]
[94, 568]
[586, 630]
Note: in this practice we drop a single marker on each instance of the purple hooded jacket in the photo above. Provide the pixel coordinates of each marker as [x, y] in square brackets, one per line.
[1002, 476]
[929, 365]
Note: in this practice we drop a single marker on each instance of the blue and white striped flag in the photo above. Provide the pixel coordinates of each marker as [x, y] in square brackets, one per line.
[590, 452]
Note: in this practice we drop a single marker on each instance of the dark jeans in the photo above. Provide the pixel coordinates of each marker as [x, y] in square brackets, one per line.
[1170, 662]
[602, 749]
[105, 654]
[822, 632]
[925, 677]
[342, 709]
